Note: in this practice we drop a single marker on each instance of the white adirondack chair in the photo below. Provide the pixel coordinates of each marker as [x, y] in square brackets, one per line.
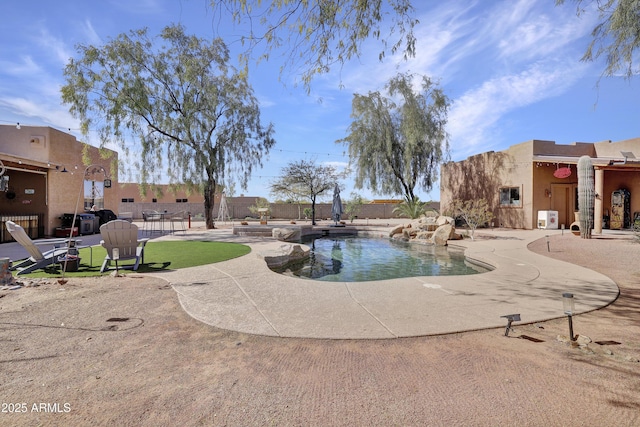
[120, 239]
[37, 259]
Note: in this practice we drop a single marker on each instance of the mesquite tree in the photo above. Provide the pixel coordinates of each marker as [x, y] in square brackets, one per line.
[586, 195]
[195, 116]
[615, 38]
[397, 142]
[318, 35]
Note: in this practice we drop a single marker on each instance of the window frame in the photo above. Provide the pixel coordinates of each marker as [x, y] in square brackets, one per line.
[511, 189]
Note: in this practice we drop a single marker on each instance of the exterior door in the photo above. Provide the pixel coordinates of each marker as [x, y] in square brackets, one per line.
[563, 201]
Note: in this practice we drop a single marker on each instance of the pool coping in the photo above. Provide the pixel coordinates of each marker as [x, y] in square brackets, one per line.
[244, 295]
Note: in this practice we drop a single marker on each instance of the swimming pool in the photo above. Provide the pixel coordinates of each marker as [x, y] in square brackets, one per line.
[361, 259]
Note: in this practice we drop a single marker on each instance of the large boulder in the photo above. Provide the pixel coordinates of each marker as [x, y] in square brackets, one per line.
[409, 232]
[399, 236]
[443, 219]
[286, 234]
[443, 234]
[432, 226]
[396, 230]
[285, 254]
[456, 236]
[428, 223]
[424, 235]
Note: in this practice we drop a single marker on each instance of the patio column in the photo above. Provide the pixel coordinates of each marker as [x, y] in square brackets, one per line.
[598, 207]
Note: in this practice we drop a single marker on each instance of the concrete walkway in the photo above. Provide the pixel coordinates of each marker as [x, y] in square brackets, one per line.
[244, 295]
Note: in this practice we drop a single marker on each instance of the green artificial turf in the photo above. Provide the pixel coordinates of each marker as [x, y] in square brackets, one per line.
[158, 256]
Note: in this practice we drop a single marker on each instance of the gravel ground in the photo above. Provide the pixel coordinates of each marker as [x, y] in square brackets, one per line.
[121, 351]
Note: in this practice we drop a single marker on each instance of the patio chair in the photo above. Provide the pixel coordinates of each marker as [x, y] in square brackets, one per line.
[127, 216]
[176, 220]
[120, 239]
[153, 221]
[37, 258]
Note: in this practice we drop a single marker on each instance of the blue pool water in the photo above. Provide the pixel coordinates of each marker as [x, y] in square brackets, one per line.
[360, 259]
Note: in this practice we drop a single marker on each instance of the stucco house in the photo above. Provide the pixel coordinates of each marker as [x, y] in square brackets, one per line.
[46, 172]
[529, 180]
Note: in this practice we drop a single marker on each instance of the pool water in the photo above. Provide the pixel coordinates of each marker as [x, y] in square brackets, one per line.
[360, 259]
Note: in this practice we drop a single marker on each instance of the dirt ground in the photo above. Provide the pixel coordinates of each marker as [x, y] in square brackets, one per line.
[122, 352]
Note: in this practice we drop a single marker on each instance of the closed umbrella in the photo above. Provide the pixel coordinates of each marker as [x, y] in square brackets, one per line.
[336, 207]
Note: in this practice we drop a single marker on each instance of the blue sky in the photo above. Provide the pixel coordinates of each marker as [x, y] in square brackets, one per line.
[511, 67]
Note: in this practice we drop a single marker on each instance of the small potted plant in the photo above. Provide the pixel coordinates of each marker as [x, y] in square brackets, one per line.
[69, 262]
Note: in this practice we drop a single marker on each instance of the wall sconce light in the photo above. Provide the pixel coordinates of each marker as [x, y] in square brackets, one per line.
[547, 192]
[569, 307]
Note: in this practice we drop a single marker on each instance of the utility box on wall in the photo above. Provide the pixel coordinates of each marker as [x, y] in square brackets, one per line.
[548, 220]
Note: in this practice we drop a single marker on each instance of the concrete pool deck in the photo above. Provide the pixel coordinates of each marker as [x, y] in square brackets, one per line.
[244, 295]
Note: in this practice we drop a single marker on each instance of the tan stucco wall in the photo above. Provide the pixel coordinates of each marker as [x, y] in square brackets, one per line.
[482, 175]
[551, 193]
[162, 194]
[550, 148]
[613, 149]
[46, 152]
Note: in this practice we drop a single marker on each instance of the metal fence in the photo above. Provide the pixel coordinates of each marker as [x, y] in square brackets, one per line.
[240, 209]
[33, 225]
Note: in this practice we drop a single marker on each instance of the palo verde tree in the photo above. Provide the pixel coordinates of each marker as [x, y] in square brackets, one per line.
[397, 142]
[309, 179]
[616, 37]
[474, 212]
[194, 115]
[320, 34]
[293, 195]
[353, 205]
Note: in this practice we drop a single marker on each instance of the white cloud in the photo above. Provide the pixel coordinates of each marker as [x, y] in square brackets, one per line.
[339, 166]
[265, 102]
[533, 34]
[54, 45]
[26, 65]
[475, 114]
[90, 33]
[438, 30]
[39, 109]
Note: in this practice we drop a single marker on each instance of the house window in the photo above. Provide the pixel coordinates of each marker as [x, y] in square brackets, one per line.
[93, 195]
[127, 200]
[510, 196]
[154, 200]
[182, 200]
